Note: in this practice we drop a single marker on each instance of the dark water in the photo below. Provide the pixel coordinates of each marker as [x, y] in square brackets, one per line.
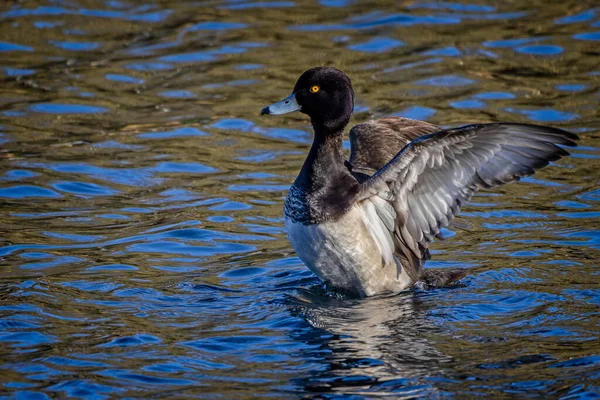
[142, 250]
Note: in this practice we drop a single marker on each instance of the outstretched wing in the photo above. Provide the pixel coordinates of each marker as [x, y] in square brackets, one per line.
[428, 181]
[374, 143]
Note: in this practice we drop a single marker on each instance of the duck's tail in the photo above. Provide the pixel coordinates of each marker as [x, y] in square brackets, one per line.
[442, 277]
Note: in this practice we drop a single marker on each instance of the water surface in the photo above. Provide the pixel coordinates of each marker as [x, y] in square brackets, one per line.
[142, 252]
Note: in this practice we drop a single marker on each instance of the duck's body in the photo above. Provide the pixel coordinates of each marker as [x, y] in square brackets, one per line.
[364, 226]
[344, 242]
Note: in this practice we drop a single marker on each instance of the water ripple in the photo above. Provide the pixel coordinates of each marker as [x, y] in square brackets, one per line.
[143, 252]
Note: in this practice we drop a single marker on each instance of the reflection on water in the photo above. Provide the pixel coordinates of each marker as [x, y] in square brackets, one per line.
[376, 343]
[142, 250]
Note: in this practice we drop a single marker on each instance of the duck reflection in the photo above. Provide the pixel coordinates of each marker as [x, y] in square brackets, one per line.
[379, 343]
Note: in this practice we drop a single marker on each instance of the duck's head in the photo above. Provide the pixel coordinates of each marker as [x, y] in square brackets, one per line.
[323, 93]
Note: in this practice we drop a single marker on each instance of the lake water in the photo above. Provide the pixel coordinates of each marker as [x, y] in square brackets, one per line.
[142, 251]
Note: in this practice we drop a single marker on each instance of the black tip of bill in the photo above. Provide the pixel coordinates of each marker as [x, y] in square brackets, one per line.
[265, 111]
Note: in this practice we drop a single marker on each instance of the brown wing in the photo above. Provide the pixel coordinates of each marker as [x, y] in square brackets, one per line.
[374, 143]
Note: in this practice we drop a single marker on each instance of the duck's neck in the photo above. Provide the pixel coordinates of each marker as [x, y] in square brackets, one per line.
[325, 159]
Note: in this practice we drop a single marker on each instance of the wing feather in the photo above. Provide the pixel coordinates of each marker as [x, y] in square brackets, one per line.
[433, 176]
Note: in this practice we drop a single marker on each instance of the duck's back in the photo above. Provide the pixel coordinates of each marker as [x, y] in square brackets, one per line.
[374, 143]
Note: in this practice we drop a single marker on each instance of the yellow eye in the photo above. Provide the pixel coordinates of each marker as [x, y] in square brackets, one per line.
[314, 89]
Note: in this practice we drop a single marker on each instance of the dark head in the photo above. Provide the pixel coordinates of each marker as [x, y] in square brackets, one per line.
[323, 93]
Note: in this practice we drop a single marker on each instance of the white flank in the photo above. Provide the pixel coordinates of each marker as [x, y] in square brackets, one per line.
[354, 253]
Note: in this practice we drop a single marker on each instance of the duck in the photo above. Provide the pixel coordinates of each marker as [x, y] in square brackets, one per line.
[364, 225]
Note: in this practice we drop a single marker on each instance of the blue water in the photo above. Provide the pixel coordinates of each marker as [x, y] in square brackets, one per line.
[142, 250]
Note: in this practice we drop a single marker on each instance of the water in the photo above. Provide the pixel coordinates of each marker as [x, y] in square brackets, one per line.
[142, 249]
